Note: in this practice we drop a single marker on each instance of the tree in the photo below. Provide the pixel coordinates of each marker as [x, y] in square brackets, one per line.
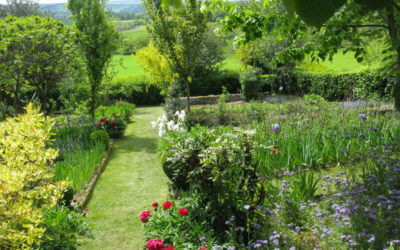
[21, 8]
[178, 33]
[361, 18]
[34, 51]
[335, 22]
[98, 39]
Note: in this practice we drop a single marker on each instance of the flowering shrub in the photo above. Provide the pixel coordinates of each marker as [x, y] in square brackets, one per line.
[217, 166]
[114, 126]
[120, 110]
[26, 179]
[164, 125]
[177, 227]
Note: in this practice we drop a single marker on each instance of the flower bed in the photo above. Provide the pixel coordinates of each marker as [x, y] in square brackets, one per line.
[254, 185]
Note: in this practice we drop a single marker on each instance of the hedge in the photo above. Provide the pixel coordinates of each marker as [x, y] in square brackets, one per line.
[333, 87]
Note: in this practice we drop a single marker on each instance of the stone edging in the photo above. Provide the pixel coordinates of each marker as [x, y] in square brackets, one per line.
[83, 197]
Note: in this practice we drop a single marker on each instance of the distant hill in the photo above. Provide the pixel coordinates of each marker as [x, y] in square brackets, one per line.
[60, 11]
[118, 6]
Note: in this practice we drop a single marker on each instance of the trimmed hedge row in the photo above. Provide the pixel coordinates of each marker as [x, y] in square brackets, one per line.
[136, 89]
[364, 85]
[333, 87]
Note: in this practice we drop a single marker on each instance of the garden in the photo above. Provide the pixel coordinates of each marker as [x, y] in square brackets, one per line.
[200, 125]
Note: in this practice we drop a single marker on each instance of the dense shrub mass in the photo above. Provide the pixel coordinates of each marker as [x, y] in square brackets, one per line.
[134, 90]
[256, 183]
[333, 87]
[26, 179]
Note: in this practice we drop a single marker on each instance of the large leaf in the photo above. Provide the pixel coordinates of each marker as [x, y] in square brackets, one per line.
[373, 4]
[314, 12]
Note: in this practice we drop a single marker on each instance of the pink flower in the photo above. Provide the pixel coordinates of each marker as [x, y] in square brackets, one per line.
[169, 248]
[155, 244]
[183, 211]
[167, 205]
[99, 124]
[113, 123]
[154, 204]
[144, 216]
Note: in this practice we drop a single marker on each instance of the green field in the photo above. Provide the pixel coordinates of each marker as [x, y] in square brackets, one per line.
[340, 64]
[124, 66]
[135, 33]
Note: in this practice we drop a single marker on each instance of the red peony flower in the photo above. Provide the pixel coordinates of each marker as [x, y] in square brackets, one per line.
[99, 124]
[167, 205]
[155, 244]
[203, 248]
[113, 123]
[106, 121]
[169, 248]
[154, 204]
[144, 216]
[183, 211]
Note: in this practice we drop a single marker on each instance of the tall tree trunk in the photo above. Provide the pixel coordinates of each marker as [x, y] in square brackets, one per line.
[393, 33]
[396, 88]
[93, 100]
[187, 84]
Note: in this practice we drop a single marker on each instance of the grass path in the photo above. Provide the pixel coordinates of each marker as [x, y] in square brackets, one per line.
[132, 180]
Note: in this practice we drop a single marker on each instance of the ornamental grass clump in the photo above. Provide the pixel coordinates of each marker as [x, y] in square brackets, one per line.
[26, 179]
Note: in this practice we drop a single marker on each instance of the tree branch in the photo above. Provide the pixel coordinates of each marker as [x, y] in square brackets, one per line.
[362, 26]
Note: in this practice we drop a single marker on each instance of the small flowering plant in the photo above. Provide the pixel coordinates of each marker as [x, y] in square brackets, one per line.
[172, 224]
[114, 126]
[164, 125]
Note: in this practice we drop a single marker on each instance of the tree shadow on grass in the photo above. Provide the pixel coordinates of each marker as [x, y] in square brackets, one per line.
[133, 143]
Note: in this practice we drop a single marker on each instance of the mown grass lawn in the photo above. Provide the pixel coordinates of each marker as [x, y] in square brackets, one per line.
[133, 179]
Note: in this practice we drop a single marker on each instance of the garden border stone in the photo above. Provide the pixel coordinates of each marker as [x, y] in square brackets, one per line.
[83, 197]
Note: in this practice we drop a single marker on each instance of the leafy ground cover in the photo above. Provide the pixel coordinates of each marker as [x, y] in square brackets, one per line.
[131, 181]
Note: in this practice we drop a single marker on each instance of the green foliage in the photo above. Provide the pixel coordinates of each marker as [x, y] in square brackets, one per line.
[182, 232]
[26, 179]
[314, 12]
[134, 90]
[79, 165]
[21, 8]
[216, 165]
[156, 66]
[132, 46]
[63, 227]
[333, 87]
[98, 40]
[251, 83]
[121, 110]
[100, 136]
[178, 33]
[314, 100]
[37, 52]
[79, 154]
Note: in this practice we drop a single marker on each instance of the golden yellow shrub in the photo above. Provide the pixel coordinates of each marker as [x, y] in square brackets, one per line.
[27, 188]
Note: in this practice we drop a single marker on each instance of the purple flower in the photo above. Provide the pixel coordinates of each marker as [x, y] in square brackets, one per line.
[363, 117]
[276, 128]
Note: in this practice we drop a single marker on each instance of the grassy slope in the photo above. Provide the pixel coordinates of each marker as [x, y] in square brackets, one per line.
[124, 66]
[340, 64]
[132, 180]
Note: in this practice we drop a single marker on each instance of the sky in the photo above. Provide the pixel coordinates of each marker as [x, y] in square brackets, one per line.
[42, 1]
